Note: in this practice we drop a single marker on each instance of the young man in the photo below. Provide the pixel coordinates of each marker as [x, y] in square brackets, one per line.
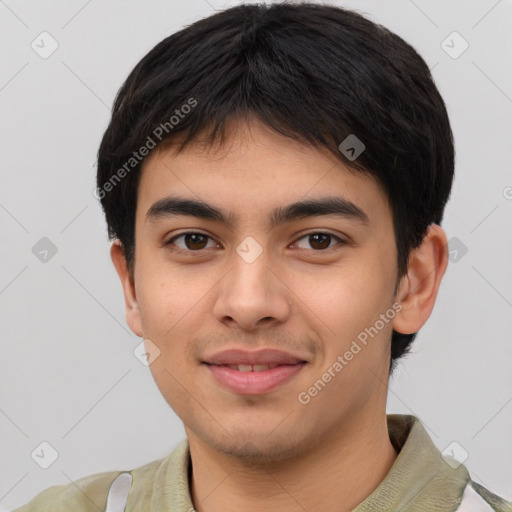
[274, 179]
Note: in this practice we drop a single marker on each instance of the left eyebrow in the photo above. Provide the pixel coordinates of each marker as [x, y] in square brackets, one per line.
[175, 206]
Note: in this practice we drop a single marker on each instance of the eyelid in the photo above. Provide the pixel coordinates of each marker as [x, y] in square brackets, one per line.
[341, 240]
[188, 232]
[169, 241]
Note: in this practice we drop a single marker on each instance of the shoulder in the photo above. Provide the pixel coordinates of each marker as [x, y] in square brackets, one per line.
[478, 498]
[83, 495]
[87, 494]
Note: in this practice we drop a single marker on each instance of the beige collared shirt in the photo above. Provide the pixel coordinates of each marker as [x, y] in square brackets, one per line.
[420, 480]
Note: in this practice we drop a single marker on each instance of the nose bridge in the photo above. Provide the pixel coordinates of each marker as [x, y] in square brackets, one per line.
[250, 270]
[250, 291]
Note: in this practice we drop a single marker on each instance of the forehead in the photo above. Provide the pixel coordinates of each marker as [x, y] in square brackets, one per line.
[254, 171]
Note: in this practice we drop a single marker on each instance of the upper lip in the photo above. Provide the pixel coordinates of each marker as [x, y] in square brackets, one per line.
[264, 357]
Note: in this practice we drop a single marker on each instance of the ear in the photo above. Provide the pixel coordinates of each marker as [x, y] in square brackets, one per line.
[130, 299]
[418, 288]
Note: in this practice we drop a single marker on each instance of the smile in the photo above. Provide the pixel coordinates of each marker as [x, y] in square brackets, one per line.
[257, 379]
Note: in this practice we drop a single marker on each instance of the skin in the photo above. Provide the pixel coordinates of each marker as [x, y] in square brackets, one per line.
[270, 451]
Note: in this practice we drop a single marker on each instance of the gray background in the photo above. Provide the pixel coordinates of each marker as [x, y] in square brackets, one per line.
[68, 373]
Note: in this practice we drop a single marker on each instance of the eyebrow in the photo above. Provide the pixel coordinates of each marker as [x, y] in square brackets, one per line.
[175, 206]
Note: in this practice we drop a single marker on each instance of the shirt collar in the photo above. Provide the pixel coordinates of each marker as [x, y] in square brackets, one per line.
[419, 479]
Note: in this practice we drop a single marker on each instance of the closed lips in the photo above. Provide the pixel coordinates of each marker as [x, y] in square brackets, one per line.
[253, 373]
[244, 361]
[251, 367]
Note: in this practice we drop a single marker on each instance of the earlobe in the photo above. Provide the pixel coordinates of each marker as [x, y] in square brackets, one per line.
[130, 299]
[418, 289]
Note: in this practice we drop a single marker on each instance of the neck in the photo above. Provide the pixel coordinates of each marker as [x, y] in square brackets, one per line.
[338, 473]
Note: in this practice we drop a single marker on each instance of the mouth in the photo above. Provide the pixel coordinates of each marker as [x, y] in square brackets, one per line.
[253, 373]
[251, 367]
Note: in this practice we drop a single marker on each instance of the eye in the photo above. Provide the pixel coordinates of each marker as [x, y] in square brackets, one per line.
[195, 242]
[318, 241]
[191, 241]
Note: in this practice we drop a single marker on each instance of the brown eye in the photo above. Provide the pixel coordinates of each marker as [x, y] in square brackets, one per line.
[191, 242]
[195, 241]
[318, 241]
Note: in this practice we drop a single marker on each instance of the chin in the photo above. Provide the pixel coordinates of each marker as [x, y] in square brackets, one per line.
[256, 449]
[259, 455]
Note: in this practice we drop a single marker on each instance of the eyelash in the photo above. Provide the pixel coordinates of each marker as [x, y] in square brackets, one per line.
[200, 252]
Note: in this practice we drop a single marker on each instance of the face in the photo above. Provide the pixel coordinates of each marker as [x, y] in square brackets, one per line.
[257, 274]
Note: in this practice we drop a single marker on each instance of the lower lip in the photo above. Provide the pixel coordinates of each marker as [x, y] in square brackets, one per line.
[254, 383]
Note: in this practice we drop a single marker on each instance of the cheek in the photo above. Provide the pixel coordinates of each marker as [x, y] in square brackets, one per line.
[344, 300]
[172, 309]
[168, 302]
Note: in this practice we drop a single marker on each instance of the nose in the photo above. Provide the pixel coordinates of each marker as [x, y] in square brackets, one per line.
[252, 294]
